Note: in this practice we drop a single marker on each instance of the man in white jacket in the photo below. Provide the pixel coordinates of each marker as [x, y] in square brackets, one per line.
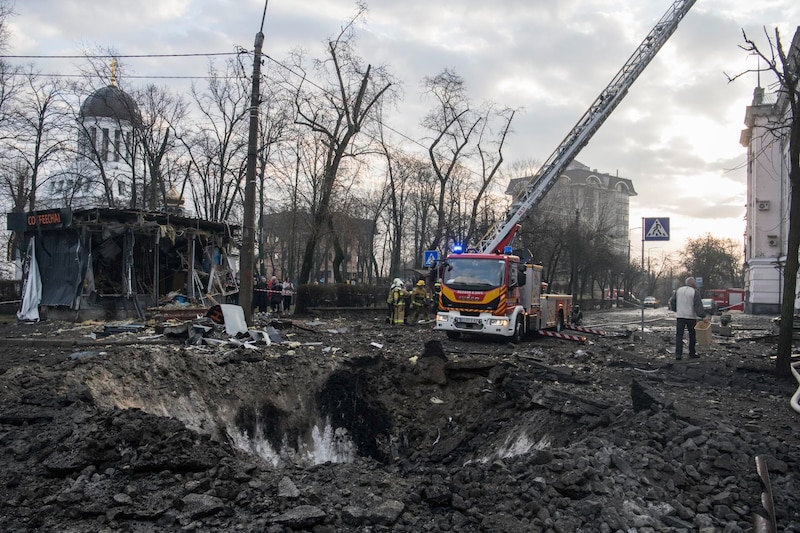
[688, 307]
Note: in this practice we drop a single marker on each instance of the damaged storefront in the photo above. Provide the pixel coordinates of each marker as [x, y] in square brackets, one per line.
[110, 263]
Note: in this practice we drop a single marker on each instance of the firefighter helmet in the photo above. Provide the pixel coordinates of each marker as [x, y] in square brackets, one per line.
[420, 283]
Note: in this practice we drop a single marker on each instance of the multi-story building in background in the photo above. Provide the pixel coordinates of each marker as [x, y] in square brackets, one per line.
[600, 201]
[767, 216]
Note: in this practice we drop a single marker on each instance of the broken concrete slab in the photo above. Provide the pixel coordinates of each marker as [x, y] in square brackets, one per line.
[235, 322]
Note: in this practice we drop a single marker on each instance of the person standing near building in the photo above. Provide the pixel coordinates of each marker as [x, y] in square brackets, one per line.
[409, 286]
[397, 302]
[688, 307]
[437, 290]
[275, 295]
[419, 302]
[261, 296]
[287, 291]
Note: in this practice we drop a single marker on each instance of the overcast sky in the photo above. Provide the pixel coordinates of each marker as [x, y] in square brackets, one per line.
[676, 135]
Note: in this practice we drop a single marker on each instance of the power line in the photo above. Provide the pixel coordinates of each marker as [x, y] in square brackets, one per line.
[117, 56]
[210, 54]
[142, 77]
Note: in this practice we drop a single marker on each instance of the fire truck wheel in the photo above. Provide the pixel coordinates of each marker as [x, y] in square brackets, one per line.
[516, 338]
[455, 335]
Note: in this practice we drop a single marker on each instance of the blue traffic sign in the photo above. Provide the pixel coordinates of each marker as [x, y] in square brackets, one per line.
[430, 257]
[656, 229]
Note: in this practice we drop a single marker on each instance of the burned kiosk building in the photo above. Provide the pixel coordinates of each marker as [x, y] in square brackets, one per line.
[110, 239]
[113, 263]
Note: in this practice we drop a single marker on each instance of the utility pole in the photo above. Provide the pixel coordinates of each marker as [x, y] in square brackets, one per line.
[247, 256]
[642, 304]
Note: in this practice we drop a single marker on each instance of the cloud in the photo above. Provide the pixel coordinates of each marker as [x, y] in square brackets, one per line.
[676, 134]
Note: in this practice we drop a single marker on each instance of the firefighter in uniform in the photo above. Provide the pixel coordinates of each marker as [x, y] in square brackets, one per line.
[419, 301]
[396, 302]
[437, 289]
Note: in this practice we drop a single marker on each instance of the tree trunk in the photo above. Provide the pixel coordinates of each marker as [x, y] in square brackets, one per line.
[338, 253]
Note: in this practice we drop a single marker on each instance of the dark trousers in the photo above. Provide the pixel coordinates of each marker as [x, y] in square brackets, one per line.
[685, 323]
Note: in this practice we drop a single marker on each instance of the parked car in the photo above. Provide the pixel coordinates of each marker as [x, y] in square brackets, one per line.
[650, 301]
[710, 306]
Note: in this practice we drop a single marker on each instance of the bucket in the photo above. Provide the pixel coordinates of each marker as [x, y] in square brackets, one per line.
[703, 331]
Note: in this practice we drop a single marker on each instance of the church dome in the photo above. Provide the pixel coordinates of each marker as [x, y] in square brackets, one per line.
[110, 102]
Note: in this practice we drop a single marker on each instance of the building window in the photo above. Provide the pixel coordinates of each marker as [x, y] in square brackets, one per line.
[104, 148]
[117, 141]
[93, 138]
[84, 143]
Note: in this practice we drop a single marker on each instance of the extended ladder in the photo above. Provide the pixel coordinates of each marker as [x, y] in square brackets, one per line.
[547, 175]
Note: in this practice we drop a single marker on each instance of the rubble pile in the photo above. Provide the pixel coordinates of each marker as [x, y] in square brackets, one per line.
[167, 434]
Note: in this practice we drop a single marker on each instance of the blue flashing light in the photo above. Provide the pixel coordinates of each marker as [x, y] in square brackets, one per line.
[458, 248]
[508, 250]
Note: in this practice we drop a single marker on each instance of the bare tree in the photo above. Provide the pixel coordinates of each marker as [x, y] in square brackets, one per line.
[490, 152]
[162, 112]
[336, 118]
[6, 10]
[10, 86]
[371, 203]
[407, 179]
[421, 200]
[40, 130]
[8, 89]
[467, 143]
[273, 128]
[217, 145]
[453, 123]
[298, 170]
[786, 68]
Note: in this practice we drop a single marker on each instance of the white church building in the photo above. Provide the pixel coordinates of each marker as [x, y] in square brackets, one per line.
[107, 162]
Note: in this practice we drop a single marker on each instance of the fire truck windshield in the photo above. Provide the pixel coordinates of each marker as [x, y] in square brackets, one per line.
[474, 274]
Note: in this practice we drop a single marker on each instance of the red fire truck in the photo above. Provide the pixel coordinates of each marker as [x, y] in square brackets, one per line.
[727, 299]
[497, 294]
[491, 291]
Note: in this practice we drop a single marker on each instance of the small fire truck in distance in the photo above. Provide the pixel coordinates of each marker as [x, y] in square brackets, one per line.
[496, 294]
[727, 299]
[491, 291]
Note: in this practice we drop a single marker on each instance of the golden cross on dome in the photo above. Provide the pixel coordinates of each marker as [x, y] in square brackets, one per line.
[113, 71]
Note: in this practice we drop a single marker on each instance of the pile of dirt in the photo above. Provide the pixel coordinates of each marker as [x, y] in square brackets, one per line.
[353, 425]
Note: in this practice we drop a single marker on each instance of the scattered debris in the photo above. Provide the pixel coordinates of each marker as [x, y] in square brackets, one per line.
[122, 328]
[86, 354]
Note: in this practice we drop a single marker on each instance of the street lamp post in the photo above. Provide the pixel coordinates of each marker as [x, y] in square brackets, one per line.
[642, 304]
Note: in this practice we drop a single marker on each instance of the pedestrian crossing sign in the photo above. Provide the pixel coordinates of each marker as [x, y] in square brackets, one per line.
[430, 257]
[656, 229]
